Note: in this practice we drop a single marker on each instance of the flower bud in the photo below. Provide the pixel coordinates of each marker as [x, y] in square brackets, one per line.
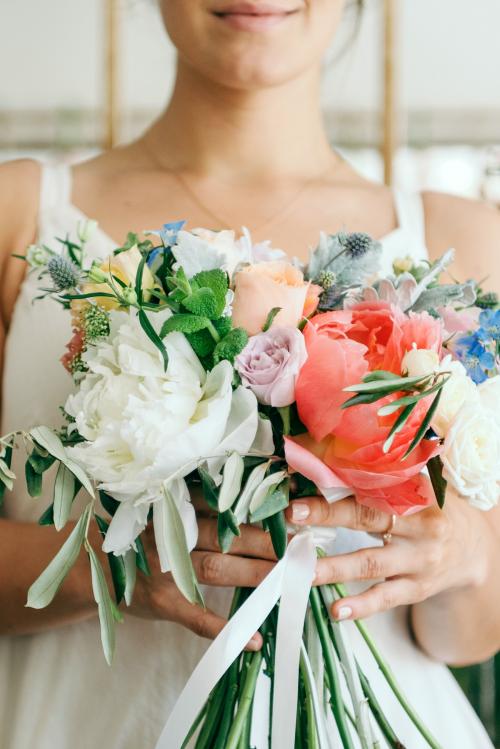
[402, 265]
[37, 256]
[129, 296]
[420, 362]
[85, 229]
[96, 274]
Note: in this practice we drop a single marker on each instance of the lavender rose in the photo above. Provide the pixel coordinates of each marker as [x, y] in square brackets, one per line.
[269, 365]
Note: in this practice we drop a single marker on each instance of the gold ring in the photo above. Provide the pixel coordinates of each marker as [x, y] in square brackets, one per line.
[387, 536]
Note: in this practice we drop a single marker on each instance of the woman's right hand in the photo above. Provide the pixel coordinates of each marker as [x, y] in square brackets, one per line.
[157, 597]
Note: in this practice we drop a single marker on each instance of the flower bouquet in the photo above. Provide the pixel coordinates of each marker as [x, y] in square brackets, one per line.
[201, 361]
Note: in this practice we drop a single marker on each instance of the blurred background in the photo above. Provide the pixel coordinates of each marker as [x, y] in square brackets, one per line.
[410, 93]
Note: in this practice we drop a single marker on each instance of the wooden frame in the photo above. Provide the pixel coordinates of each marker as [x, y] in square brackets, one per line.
[390, 105]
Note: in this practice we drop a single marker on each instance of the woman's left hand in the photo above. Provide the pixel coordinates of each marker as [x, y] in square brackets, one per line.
[428, 552]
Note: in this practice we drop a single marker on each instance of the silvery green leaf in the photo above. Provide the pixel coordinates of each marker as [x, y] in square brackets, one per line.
[275, 500]
[321, 258]
[104, 606]
[46, 586]
[130, 575]
[231, 481]
[50, 441]
[6, 470]
[64, 493]
[267, 485]
[172, 546]
[444, 294]
[252, 483]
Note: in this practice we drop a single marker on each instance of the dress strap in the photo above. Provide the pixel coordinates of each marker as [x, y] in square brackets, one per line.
[55, 186]
[410, 214]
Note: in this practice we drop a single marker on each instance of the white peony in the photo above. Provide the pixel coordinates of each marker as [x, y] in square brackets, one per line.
[471, 456]
[458, 391]
[144, 426]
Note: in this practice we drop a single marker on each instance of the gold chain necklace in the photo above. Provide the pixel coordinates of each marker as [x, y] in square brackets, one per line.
[221, 222]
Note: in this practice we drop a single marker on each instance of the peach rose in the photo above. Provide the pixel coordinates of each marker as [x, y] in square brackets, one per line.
[260, 287]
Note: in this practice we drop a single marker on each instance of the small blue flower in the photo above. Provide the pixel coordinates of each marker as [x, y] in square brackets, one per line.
[168, 233]
[475, 357]
[489, 321]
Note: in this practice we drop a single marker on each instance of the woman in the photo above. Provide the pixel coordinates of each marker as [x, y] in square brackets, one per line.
[241, 142]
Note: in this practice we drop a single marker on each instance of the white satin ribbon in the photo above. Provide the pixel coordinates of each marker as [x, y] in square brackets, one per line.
[290, 581]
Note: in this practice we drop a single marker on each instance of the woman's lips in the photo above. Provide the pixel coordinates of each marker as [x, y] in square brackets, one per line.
[253, 18]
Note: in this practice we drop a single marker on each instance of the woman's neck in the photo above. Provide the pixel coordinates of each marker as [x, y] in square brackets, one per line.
[242, 135]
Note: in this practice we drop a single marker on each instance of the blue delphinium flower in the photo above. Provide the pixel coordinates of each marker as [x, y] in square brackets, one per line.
[475, 357]
[489, 321]
[168, 235]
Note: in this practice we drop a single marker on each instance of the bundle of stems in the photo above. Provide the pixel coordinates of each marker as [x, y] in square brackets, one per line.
[336, 708]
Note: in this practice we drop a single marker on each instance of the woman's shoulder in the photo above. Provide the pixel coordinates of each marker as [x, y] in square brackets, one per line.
[19, 197]
[471, 227]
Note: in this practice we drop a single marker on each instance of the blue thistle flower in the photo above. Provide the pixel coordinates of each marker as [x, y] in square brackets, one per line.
[476, 359]
[357, 244]
[64, 273]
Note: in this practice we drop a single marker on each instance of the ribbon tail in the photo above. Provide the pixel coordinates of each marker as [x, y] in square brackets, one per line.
[219, 656]
[296, 585]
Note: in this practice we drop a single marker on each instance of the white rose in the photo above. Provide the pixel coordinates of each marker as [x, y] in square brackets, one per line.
[144, 426]
[419, 362]
[489, 393]
[471, 456]
[457, 391]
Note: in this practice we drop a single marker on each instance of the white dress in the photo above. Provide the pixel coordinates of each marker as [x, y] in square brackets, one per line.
[56, 691]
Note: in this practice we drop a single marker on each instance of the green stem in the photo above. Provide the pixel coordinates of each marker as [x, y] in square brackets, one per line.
[195, 725]
[215, 706]
[331, 669]
[378, 713]
[213, 332]
[251, 667]
[390, 678]
[229, 704]
[284, 412]
[247, 730]
[312, 734]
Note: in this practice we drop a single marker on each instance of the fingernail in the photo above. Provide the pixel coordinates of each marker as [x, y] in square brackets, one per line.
[345, 612]
[254, 643]
[300, 511]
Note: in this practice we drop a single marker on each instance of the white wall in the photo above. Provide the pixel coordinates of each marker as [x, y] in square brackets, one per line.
[51, 57]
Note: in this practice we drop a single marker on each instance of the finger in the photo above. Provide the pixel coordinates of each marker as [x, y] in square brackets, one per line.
[381, 597]
[253, 542]
[205, 623]
[369, 564]
[226, 570]
[346, 513]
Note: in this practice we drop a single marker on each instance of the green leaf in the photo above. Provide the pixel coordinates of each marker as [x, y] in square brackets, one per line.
[41, 463]
[141, 559]
[169, 527]
[359, 400]
[380, 374]
[43, 590]
[130, 575]
[398, 426]
[217, 281]
[274, 501]
[408, 400]
[439, 483]
[266, 487]
[184, 323]
[389, 386]
[276, 525]
[116, 564]
[64, 492]
[231, 345]
[33, 480]
[5, 480]
[270, 318]
[104, 606]
[109, 503]
[153, 337]
[232, 522]
[138, 280]
[424, 425]
[253, 481]
[231, 481]
[47, 517]
[210, 490]
[225, 535]
[202, 302]
[50, 441]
